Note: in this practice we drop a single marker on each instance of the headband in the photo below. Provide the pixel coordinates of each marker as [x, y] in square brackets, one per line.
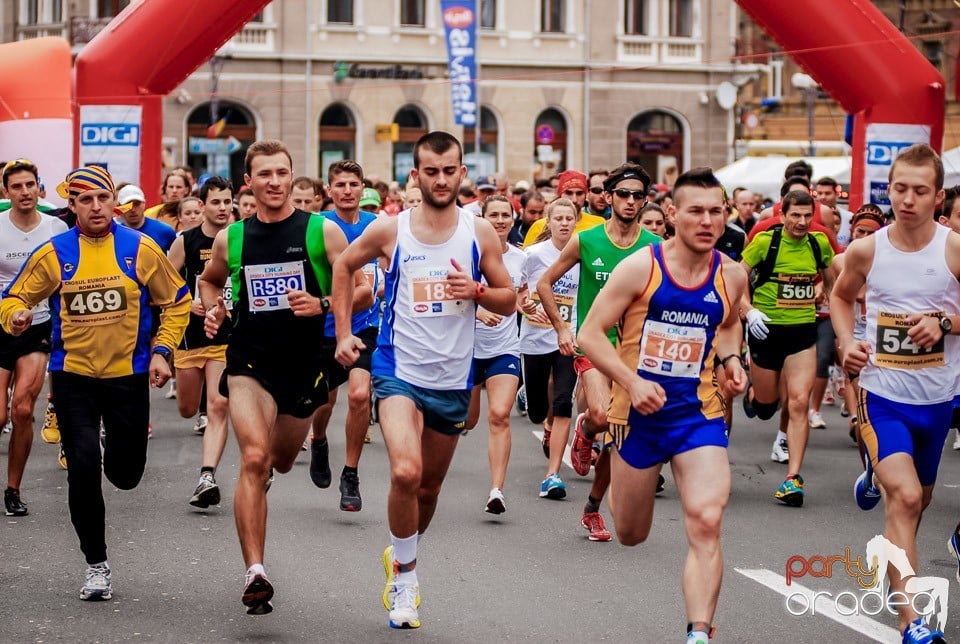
[89, 177]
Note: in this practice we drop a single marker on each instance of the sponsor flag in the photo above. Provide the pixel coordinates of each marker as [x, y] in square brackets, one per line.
[460, 27]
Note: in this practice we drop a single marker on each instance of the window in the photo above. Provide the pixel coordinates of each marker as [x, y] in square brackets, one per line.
[933, 51]
[635, 17]
[110, 8]
[412, 13]
[488, 14]
[413, 124]
[340, 11]
[550, 141]
[681, 18]
[56, 11]
[240, 124]
[551, 16]
[30, 12]
[338, 134]
[486, 162]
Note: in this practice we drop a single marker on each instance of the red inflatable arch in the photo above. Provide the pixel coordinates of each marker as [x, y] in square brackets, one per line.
[123, 73]
[872, 70]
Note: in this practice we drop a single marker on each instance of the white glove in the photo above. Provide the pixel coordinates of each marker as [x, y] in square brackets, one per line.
[755, 324]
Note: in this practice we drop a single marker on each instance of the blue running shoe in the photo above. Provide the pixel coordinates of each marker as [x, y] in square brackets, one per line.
[919, 633]
[790, 491]
[864, 491]
[522, 400]
[953, 545]
[553, 488]
[747, 407]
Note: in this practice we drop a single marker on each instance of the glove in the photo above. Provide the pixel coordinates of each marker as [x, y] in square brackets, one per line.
[755, 324]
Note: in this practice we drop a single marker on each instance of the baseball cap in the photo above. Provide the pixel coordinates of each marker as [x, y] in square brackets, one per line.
[486, 182]
[130, 193]
[370, 197]
[522, 186]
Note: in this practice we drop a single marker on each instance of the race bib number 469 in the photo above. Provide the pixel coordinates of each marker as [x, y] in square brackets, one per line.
[896, 349]
[94, 301]
[268, 284]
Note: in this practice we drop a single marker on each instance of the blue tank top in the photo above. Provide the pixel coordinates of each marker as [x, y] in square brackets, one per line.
[370, 317]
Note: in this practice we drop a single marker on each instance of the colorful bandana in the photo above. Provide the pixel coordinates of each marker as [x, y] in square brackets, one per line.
[89, 177]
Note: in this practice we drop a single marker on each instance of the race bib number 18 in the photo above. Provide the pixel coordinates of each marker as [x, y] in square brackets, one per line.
[268, 284]
[430, 293]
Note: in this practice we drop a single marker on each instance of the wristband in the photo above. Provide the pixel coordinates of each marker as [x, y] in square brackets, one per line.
[723, 362]
[163, 352]
[481, 290]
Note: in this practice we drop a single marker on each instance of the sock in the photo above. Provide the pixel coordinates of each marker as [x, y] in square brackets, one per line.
[320, 441]
[256, 569]
[781, 436]
[405, 552]
[346, 469]
[592, 505]
[206, 468]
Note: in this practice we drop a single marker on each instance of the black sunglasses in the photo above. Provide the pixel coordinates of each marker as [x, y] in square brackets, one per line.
[623, 193]
[596, 191]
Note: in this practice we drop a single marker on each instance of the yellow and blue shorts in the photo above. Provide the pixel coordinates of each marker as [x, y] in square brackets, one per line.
[645, 445]
[198, 358]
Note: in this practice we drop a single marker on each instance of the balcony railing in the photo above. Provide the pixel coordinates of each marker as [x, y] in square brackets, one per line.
[29, 32]
[651, 50]
[255, 37]
[83, 29]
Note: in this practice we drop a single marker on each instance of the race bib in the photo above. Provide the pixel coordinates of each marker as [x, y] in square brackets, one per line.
[564, 305]
[370, 272]
[431, 296]
[227, 293]
[94, 301]
[268, 284]
[896, 349]
[795, 292]
[671, 350]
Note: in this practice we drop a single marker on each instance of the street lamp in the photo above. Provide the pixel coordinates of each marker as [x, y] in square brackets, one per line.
[810, 91]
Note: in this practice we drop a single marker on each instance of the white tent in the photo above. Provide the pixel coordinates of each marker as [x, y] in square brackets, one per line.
[951, 168]
[764, 175]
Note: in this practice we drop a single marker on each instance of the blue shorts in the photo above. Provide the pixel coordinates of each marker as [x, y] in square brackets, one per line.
[646, 446]
[888, 427]
[443, 411]
[502, 365]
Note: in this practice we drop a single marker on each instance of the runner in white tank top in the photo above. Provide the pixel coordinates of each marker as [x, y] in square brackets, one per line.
[436, 255]
[909, 358]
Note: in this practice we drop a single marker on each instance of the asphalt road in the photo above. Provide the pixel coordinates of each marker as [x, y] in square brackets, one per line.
[530, 575]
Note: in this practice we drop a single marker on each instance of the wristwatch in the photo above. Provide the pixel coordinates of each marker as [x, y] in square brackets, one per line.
[163, 352]
[946, 326]
[324, 305]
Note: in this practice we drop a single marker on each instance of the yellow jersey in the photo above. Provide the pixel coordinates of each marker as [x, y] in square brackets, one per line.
[586, 222]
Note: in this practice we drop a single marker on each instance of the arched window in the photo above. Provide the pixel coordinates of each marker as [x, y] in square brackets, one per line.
[486, 162]
[550, 141]
[655, 140]
[212, 149]
[413, 125]
[338, 136]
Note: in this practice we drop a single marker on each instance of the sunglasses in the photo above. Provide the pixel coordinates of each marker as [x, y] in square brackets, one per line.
[623, 193]
[596, 191]
[16, 164]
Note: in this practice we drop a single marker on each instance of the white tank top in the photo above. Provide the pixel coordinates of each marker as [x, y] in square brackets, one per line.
[503, 339]
[427, 336]
[901, 284]
[17, 245]
[540, 338]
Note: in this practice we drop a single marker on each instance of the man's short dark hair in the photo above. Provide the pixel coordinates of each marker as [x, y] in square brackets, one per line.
[696, 178]
[542, 183]
[438, 142]
[266, 148]
[827, 181]
[214, 183]
[792, 181]
[19, 165]
[796, 198]
[531, 195]
[798, 167]
[345, 166]
[626, 171]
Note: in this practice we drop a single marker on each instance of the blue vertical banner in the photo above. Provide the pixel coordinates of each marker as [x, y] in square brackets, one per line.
[460, 26]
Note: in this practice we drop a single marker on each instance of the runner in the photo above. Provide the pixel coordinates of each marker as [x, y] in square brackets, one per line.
[23, 360]
[542, 358]
[597, 251]
[278, 263]
[573, 186]
[435, 255]
[664, 407]
[98, 275]
[496, 358]
[346, 187]
[781, 323]
[200, 360]
[909, 359]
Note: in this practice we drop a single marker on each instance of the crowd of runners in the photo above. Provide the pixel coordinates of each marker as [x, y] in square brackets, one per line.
[621, 316]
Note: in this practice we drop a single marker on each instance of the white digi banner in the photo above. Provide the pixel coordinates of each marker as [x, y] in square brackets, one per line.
[884, 142]
[110, 136]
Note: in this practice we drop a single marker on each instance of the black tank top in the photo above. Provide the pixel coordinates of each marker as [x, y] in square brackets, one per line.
[259, 328]
[197, 250]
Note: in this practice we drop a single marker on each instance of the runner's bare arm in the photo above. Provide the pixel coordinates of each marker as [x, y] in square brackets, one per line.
[858, 259]
[336, 242]
[729, 340]
[500, 296]
[569, 257]
[177, 254]
[210, 285]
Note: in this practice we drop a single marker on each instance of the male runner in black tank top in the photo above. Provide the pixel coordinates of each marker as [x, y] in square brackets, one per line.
[273, 376]
[200, 360]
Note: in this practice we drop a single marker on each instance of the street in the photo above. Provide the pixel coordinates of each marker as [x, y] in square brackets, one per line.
[529, 575]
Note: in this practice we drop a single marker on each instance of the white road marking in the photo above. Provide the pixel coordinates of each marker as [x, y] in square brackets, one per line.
[823, 606]
[566, 452]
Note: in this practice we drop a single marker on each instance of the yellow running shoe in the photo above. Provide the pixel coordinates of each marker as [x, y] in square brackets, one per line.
[51, 430]
[388, 589]
[61, 457]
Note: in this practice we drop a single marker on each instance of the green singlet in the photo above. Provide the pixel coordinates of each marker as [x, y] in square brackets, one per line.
[598, 257]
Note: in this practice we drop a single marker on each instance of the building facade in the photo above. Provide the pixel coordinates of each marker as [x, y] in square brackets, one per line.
[563, 83]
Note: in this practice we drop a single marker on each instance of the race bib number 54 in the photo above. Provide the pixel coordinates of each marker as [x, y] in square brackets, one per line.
[94, 301]
[896, 349]
[268, 284]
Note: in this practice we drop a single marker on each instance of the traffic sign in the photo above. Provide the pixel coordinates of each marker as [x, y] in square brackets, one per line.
[545, 134]
[200, 145]
[387, 132]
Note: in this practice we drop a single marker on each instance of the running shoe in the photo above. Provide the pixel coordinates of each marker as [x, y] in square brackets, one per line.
[257, 593]
[368, 437]
[780, 453]
[269, 483]
[207, 492]
[815, 418]
[828, 398]
[201, 425]
[51, 429]
[320, 464]
[919, 633]
[747, 407]
[545, 441]
[97, 585]
[953, 545]
[388, 589]
[553, 488]
[149, 431]
[956, 438]
[865, 490]
[854, 425]
[13, 506]
[172, 391]
[843, 409]
[522, 400]
[593, 522]
[495, 502]
[61, 457]
[403, 609]
[790, 491]
[350, 500]
[581, 452]
[7, 427]
[661, 484]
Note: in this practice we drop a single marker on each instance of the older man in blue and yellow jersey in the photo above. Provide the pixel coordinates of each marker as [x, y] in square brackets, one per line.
[99, 278]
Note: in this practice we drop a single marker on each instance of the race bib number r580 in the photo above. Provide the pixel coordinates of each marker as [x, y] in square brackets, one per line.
[268, 285]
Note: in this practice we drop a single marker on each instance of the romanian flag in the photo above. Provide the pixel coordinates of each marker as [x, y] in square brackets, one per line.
[217, 128]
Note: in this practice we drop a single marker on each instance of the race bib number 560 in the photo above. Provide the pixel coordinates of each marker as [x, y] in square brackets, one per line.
[94, 301]
[268, 284]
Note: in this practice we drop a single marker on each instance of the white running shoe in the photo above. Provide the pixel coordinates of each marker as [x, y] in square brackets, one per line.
[956, 439]
[780, 453]
[403, 611]
[496, 503]
[816, 419]
[201, 425]
[172, 391]
[97, 585]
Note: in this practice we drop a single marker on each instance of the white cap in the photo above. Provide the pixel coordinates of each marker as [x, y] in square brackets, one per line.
[522, 185]
[130, 193]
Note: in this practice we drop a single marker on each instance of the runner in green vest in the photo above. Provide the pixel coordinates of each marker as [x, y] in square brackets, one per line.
[597, 250]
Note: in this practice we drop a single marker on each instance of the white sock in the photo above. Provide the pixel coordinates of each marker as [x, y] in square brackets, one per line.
[102, 563]
[781, 436]
[404, 552]
[256, 569]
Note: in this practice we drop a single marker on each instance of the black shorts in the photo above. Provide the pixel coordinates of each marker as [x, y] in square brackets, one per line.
[297, 388]
[336, 373]
[36, 339]
[782, 341]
